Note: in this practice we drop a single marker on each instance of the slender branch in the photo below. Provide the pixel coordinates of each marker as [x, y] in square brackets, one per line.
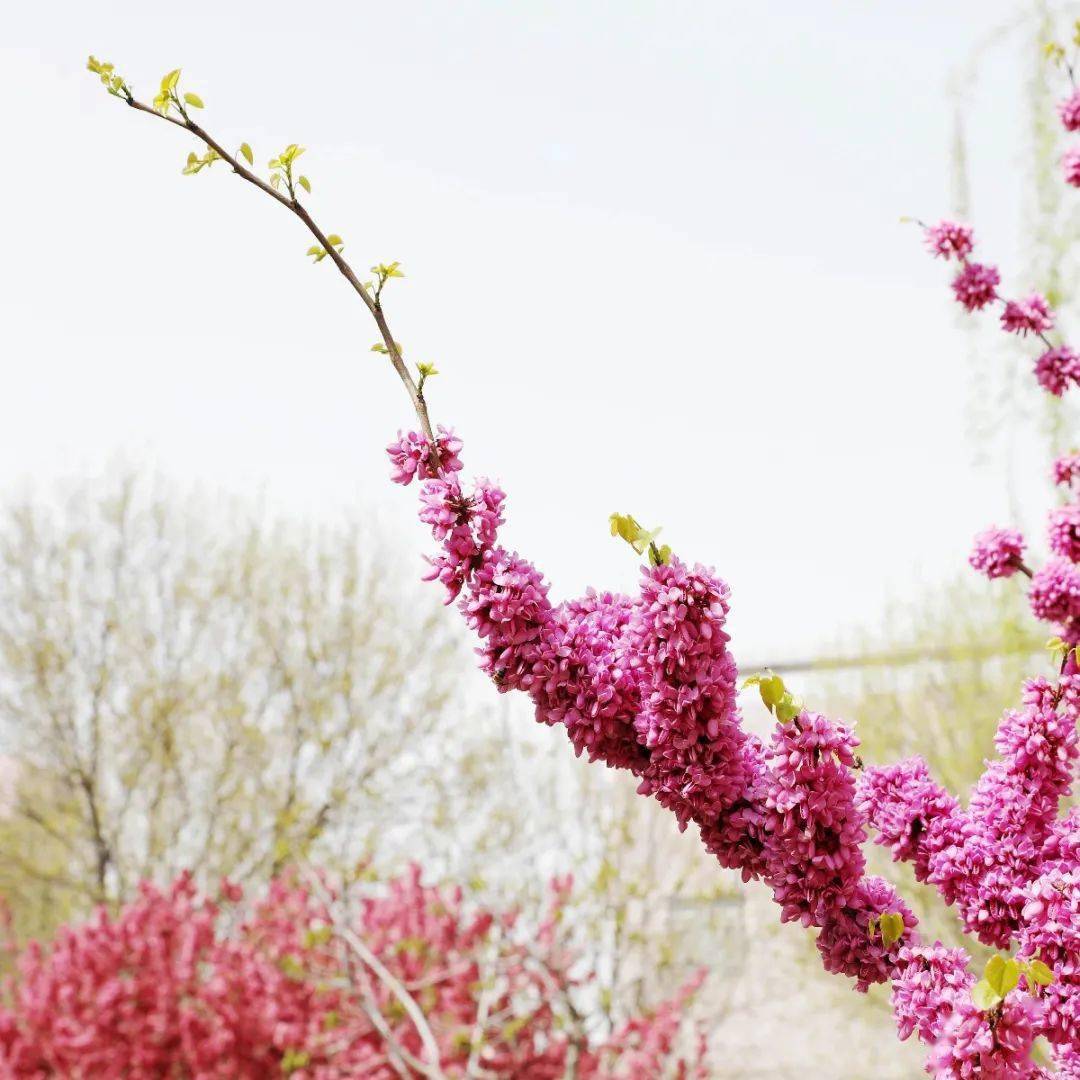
[381, 972]
[372, 303]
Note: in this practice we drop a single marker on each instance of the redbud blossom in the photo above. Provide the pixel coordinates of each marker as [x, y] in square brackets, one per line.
[997, 553]
[1030, 316]
[948, 240]
[976, 285]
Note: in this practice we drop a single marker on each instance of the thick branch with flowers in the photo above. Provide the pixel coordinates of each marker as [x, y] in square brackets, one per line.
[647, 684]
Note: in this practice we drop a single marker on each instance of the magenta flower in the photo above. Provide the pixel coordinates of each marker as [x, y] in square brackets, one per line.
[997, 553]
[1057, 368]
[1030, 316]
[972, 1047]
[1070, 165]
[976, 285]
[850, 941]
[909, 810]
[932, 980]
[1066, 469]
[1069, 111]
[1055, 592]
[948, 240]
[410, 457]
[1065, 532]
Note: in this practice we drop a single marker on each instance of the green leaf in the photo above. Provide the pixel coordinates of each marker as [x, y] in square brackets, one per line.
[334, 240]
[193, 100]
[1040, 973]
[892, 928]
[789, 708]
[1001, 974]
[168, 82]
[245, 150]
[772, 690]
[275, 180]
[984, 996]
[659, 556]
[305, 183]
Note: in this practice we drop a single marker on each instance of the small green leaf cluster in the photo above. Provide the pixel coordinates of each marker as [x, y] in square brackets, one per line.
[627, 528]
[112, 82]
[1055, 52]
[281, 171]
[168, 96]
[294, 1060]
[777, 698]
[333, 241]
[1060, 649]
[1002, 974]
[383, 273]
[426, 371]
[196, 164]
[891, 926]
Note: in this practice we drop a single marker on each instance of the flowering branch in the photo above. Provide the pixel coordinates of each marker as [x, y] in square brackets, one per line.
[647, 684]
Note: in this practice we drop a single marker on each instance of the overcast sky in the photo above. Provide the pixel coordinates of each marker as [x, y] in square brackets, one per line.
[652, 247]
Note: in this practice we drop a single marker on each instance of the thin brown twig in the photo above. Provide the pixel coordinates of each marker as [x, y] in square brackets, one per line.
[290, 202]
[432, 1068]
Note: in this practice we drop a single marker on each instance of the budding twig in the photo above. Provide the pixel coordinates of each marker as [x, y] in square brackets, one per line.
[290, 202]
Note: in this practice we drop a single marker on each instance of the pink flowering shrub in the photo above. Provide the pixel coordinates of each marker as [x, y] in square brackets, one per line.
[162, 990]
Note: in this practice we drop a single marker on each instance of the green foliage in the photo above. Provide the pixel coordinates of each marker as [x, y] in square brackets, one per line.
[776, 697]
[1059, 650]
[166, 97]
[426, 371]
[890, 925]
[112, 82]
[234, 694]
[383, 273]
[246, 153]
[318, 253]
[1002, 975]
[196, 164]
[294, 1060]
[281, 174]
[627, 528]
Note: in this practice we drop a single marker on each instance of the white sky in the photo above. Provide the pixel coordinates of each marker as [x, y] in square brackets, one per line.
[653, 248]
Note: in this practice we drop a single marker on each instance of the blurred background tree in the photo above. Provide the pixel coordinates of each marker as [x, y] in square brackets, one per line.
[186, 688]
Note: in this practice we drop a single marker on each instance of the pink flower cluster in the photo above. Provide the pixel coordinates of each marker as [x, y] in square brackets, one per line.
[411, 458]
[1030, 316]
[975, 286]
[1066, 470]
[998, 552]
[981, 859]
[164, 990]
